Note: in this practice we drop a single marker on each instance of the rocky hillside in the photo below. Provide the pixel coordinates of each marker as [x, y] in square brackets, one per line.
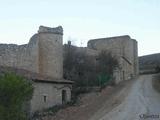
[149, 62]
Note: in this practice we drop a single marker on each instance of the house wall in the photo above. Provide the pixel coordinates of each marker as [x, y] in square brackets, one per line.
[53, 93]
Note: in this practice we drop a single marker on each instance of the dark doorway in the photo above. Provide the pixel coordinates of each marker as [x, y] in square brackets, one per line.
[64, 96]
[123, 75]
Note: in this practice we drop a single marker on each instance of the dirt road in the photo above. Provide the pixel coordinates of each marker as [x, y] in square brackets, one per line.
[142, 102]
[90, 104]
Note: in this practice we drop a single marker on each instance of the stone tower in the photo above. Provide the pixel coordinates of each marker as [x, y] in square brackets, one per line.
[43, 53]
[50, 51]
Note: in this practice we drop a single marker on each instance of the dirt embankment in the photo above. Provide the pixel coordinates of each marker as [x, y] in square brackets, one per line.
[91, 103]
[156, 82]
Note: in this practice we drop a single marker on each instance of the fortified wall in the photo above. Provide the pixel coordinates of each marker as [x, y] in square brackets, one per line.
[124, 49]
[43, 53]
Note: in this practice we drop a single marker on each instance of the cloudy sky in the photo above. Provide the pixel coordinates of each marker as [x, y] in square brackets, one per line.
[83, 20]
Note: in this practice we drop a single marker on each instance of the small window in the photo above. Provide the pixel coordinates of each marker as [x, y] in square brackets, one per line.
[45, 98]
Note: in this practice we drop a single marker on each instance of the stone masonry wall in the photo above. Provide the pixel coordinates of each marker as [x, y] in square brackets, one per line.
[122, 47]
[23, 56]
[50, 55]
[47, 95]
[43, 53]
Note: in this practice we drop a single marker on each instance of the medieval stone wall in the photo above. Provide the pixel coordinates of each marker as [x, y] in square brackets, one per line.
[43, 53]
[124, 49]
[23, 56]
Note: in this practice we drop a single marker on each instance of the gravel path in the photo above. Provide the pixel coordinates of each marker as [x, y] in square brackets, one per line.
[141, 103]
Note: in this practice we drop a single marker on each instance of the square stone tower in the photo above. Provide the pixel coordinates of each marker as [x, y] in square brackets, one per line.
[124, 48]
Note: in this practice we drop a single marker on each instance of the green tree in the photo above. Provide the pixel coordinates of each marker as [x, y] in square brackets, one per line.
[106, 63]
[14, 92]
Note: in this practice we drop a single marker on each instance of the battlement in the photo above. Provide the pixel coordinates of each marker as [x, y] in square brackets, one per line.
[56, 30]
